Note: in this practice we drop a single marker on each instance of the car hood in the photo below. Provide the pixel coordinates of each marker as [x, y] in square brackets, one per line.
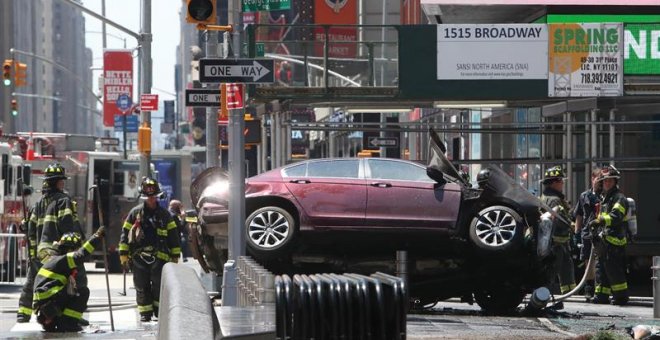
[439, 162]
[212, 185]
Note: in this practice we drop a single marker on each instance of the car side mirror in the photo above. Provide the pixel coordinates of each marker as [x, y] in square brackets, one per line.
[436, 175]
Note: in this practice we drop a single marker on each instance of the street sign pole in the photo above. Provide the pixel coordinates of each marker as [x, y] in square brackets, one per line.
[145, 77]
[211, 112]
[124, 105]
[236, 179]
[124, 133]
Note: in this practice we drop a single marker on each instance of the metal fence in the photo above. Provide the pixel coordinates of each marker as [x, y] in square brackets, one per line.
[13, 258]
[323, 56]
[255, 283]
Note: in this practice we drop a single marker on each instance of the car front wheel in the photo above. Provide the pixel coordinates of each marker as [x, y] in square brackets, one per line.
[496, 229]
[270, 231]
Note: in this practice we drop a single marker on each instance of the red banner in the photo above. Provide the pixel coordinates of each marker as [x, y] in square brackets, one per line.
[117, 79]
[341, 39]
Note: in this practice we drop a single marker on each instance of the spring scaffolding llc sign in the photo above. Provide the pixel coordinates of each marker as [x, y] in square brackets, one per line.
[585, 60]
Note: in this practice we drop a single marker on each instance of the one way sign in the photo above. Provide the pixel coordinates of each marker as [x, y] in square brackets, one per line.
[236, 71]
[388, 142]
[202, 97]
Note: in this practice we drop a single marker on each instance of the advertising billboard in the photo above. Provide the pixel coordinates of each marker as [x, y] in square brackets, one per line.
[342, 39]
[497, 51]
[585, 60]
[641, 53]
[117, 80]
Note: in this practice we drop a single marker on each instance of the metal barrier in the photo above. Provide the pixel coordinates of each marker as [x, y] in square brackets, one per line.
[13, 258]
[656, 286]
[331, 306]
[255, 283]
[312, 55]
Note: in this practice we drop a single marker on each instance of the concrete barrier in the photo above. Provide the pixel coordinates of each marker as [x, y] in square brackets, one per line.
[186, 311]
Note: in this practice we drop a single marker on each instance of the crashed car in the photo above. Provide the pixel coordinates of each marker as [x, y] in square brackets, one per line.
[353, 214]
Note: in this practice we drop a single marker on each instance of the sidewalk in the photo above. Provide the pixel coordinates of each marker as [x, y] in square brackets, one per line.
[126, 318]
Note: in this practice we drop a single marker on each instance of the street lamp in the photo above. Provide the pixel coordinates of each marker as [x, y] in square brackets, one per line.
[111, 35]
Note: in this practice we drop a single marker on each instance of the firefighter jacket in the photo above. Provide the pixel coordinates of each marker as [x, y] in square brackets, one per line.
[60, 218]
[586, 207]
[35, 223]
[556, 200]
[159, 235]
[613, 217]
[54, 275]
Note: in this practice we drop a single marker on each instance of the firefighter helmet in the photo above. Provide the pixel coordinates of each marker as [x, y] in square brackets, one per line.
[54, 171]
[553, 173]
[69, 242]
[609, 171]
[149, 187]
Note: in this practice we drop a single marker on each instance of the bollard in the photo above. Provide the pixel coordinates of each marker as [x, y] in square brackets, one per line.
[656, 286]
[539, 299]
[402, 266]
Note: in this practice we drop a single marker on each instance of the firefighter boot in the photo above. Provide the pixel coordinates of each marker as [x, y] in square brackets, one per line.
[601, 299]
[22, 318]
[68, 324]
[589, 290]
[620, 298]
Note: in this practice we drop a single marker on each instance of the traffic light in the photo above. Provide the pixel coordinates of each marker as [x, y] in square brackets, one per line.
[20, 74]
[201, 12]
[6, 72]
[14, 107]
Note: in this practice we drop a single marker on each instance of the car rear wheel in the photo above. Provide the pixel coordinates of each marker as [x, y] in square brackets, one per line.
[270, 231]
[496, 229]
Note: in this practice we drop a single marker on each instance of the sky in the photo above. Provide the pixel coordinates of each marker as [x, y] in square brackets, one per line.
[165, 27]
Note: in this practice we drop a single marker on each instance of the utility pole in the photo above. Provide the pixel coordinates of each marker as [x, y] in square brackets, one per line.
[144, 39]
[145, 78]
[235, 128]
[212, 139]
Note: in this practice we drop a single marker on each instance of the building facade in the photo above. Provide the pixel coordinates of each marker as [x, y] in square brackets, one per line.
[56, 98]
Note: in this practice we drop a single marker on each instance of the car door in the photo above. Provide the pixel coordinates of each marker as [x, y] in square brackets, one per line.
[331, 192]
[400, 194]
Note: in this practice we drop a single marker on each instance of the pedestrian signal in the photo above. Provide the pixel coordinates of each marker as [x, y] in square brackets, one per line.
[201, 12]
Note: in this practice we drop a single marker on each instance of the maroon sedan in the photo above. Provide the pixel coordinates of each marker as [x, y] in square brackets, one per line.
[467, 239]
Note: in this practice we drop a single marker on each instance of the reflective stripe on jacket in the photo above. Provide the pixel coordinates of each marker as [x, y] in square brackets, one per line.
[168, 244]
[61, 217]
[54, 274]
[561, 230]
[613, 216]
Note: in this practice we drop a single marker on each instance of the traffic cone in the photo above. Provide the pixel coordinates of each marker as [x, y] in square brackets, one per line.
[29, 155]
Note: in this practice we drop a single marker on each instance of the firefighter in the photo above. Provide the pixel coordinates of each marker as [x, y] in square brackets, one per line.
[609, 229]
[32, 227]
[58, 301]
[177, 215]
[25, 301]
[149, 239]
[61, 215]
[553, 196]
[583, 213]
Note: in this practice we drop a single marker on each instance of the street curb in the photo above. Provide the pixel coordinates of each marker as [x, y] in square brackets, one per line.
[186, 311]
